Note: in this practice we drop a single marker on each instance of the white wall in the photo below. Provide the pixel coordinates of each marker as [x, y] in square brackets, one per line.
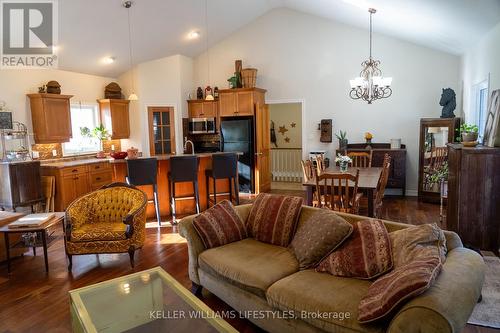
[162, 82]
[15, 84]
[482, 59]
[300, 56]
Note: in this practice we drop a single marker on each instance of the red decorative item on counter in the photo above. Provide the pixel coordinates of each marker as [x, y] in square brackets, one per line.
[119, 155]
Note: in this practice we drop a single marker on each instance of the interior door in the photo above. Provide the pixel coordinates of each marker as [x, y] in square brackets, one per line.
[263, 145]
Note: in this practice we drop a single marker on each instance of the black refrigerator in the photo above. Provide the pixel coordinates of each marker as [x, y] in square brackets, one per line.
[237, 136]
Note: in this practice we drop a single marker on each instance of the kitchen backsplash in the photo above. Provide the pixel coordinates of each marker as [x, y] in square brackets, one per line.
[45, 150]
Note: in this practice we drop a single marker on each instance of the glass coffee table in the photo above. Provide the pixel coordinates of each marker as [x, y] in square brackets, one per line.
[147, 301]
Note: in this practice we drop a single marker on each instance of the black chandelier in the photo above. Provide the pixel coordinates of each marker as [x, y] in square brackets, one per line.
[370, 85]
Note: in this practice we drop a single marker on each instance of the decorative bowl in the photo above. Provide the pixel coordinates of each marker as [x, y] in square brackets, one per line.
[119, 155]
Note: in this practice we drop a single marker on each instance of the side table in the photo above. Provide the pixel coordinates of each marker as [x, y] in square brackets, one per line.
[40, 230]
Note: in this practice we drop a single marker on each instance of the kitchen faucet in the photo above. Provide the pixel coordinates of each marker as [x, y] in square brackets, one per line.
[192, 145]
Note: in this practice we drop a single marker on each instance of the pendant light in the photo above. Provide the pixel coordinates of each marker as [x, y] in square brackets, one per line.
[209, 96]
[370, 85]
[132, 96]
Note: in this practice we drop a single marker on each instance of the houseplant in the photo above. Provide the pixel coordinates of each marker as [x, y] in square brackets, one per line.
[439, 178]
[342, 136]
[99, 133]
[469, 133]
[343, 161]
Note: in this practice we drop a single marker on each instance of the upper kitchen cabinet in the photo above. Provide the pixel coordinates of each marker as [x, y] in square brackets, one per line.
[240, 102]
[114, 116]
[50, 114]
[199, 108]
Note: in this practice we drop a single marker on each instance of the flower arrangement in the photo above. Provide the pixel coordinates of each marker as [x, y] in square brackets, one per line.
[368, 136]
[343, 159]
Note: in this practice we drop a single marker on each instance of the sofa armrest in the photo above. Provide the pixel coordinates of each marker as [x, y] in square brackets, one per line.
[448, 304]
[195, 246]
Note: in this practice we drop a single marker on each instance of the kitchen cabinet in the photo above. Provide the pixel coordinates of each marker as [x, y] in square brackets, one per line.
[51, 117]
[202, 109]
[240, 102]
[115, 117]
[74, 181]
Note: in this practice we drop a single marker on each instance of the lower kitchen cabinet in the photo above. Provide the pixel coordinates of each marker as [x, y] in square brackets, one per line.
[73, 182]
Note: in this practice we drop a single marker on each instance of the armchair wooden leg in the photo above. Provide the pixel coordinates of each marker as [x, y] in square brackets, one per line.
[70, 262]
[131, 252]
[196, 289]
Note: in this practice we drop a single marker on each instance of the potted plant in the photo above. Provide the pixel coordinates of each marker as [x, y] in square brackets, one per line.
[440, 178]
[469, 133]
[99, 133]
[343, 161]
[342, 136]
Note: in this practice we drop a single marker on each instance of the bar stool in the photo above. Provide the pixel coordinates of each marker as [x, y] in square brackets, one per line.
[183, 169]
[224, 166]
[143, 171]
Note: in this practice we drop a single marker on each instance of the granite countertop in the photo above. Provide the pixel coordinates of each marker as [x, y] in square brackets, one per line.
[85, 161]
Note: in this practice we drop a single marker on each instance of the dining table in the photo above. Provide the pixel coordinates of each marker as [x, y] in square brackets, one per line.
[367, 182]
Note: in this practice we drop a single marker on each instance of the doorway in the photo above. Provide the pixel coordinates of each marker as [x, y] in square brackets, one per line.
[286, 145]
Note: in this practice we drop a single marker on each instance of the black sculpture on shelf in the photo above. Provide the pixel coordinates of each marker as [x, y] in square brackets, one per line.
[448, 102]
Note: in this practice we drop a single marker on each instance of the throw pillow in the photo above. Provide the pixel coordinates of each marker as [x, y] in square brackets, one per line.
[318, 236]
[219, 225]
[394, 288]
[365, 255]
[422, 241]
[273, 218]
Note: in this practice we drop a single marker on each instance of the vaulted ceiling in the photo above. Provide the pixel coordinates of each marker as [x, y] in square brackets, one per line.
[90, 30]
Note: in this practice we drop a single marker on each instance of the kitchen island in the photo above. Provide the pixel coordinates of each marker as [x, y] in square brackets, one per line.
[78, 177]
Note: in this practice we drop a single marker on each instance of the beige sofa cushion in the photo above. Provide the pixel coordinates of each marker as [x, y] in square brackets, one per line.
[249, 264]
[317, 293]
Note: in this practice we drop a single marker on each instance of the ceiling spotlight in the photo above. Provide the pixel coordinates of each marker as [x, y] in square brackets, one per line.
[109, 60]
[194, 34]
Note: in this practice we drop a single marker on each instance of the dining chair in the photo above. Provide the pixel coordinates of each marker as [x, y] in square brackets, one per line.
[361, 159]
[378, 196]
[382, 183]
[438, 157]
[338, 191]
[320, 163]
[307, 170]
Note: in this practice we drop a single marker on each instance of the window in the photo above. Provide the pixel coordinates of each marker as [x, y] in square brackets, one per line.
[161, 130]
[82, 116]
[481, 105]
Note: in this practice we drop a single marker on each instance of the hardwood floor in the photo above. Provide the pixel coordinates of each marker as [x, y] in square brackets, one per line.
[33, 301]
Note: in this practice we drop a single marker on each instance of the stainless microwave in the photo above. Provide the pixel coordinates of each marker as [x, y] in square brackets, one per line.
[201, 125]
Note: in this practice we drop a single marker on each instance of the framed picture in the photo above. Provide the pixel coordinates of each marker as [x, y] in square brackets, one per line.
[491, 132]
[5, 120]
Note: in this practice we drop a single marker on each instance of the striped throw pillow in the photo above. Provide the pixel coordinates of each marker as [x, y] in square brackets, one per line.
[219, 225]
[396, 287]
[273, 218]
[364, 255]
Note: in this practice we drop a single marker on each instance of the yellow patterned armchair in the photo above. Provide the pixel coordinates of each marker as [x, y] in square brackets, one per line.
[109, 220]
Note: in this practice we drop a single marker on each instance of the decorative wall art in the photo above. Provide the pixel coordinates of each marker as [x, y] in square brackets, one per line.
[283, 130]
[326, 130]
[5, 116]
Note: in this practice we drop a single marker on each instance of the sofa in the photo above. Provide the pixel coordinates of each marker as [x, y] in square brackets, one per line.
[250, 275]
